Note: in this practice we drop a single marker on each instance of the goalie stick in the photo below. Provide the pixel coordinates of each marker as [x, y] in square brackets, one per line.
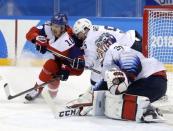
[9, 96]
[68, 112]
[63, 111]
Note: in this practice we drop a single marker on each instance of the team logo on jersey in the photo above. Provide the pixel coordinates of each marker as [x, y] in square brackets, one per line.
[103, 43]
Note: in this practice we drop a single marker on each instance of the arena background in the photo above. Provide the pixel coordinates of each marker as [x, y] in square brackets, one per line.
[18, 16]
[20, 63]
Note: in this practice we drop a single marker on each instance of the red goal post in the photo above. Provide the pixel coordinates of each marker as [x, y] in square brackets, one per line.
[158, 34]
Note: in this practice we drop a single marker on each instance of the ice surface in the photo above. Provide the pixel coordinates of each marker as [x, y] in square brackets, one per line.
[17, 116]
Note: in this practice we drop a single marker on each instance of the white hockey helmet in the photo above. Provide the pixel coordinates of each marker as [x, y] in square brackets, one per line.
[81, 24]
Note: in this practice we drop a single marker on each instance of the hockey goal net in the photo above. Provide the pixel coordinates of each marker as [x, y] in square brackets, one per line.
[158, 38]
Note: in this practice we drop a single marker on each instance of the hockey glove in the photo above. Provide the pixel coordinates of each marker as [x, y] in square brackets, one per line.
[78, 63]
[41, 44]
[64, 73]
[119, 78]
[116, 81]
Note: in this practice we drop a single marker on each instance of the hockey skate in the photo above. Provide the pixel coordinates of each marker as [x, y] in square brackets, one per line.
[152, 114]
[33, 94]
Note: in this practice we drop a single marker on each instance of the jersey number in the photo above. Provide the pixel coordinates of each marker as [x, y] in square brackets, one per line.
[118, 48]
[70, 41]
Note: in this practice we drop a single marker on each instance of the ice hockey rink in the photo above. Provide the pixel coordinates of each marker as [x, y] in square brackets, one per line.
[17, 116]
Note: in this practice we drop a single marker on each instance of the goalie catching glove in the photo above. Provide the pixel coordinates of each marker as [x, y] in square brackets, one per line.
[116, 81]
[41, 44]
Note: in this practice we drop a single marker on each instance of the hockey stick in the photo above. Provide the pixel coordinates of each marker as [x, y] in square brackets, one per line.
[67, 112]
[52, 50]
[61, 113]
[9, 96]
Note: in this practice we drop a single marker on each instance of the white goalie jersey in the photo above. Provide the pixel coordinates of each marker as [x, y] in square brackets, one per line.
[129, 60]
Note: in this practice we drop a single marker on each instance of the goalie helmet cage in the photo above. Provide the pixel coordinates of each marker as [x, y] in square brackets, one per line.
[158, 37]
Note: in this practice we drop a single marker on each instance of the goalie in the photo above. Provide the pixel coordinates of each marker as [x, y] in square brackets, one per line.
[57, 36]
[133, 83]
[146, 76]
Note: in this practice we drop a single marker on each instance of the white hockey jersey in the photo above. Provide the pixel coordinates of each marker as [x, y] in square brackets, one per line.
[125, 38]
[117, 53]
[90, 48]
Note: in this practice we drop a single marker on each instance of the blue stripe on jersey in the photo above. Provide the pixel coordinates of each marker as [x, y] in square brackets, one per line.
[130, 64]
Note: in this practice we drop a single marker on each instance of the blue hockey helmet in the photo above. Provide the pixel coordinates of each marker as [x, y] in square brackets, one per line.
[59, 19]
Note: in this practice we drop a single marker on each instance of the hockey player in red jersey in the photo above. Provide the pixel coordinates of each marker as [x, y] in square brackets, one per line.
[58, 36]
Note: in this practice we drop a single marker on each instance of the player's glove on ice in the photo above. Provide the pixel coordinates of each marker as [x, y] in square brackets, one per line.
[78, 63]
[41, 44]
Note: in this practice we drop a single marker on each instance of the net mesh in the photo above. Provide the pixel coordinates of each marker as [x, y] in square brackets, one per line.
[160, 40]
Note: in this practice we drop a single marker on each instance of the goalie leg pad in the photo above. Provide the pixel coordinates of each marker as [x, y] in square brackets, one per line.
[125, 106]
[129, 107]
[99, 103]
[85, 99]
[96, 105]
[84, 102]
[90, 102]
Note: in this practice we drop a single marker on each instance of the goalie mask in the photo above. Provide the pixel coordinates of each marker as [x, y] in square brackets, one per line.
[102, 45]
[116, 81]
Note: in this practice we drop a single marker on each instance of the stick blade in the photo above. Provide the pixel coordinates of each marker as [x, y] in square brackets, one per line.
[10, 97]
[7, 91]
[67, 112]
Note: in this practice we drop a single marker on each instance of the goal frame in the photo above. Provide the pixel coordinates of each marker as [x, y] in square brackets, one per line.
[145, 24]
